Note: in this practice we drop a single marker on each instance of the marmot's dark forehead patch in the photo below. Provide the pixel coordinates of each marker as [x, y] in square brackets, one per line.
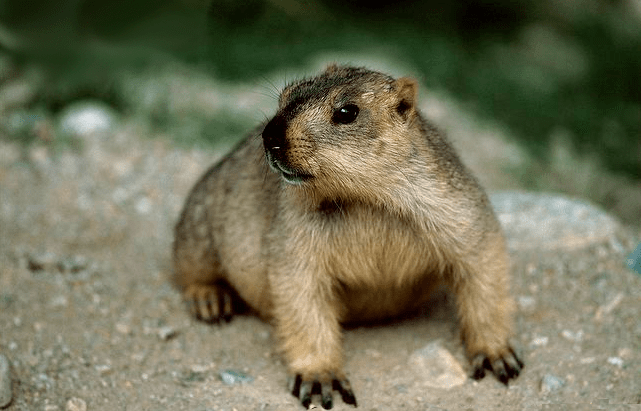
[313, 90]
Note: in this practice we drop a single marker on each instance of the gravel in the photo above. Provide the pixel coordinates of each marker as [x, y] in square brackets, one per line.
[6, 382]
[90, 321]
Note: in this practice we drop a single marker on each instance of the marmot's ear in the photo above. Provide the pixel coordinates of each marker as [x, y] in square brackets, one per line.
[407, 90]
[331, 68]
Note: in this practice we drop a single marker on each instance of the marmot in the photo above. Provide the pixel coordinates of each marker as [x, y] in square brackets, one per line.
[350, 208]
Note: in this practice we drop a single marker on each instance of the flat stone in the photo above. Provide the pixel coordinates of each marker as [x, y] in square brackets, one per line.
[436, 367]
[539, 221]
[6, 385]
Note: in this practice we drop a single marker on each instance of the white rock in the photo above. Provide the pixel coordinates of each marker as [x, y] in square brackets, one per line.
[87, 118]
[436, 367]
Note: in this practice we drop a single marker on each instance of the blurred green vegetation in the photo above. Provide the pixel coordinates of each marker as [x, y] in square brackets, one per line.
[539, 67]
[524, 63]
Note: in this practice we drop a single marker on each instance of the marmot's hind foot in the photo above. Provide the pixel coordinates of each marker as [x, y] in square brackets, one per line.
[211, 302]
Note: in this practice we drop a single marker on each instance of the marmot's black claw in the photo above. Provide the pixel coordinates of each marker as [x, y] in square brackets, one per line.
[479, 364]
[505, 368]
[327, 399]
[304, 390]
[345, 388]
[212, 303]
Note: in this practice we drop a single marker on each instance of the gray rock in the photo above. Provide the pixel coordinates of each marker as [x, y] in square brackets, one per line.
[6, 382]
[436, 367]
[538, 221]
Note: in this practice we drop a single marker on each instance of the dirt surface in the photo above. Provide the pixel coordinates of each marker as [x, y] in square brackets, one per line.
[89, 320]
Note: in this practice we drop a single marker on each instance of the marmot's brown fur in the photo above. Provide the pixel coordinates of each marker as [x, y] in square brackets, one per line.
[350, 208]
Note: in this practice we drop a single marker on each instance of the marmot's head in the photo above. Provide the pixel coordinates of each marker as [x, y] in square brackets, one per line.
[344, 130]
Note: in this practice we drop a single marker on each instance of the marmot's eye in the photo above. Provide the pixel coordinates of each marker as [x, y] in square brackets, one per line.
[345, 114]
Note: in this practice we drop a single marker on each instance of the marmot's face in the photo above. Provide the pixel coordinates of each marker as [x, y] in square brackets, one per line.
[341, 130]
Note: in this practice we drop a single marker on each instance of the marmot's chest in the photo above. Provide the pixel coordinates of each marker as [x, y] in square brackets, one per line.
[374, 249]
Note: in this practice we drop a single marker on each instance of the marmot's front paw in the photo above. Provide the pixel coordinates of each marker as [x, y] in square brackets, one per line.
[303, 389]
[505, 366]
[209, 303]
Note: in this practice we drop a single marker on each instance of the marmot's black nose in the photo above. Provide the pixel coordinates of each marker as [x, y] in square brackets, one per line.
[274, 138]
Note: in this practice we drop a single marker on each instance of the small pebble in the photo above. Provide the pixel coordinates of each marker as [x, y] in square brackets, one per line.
[123, 328]
[526, 302]
[6, 387]
[551, 383]
[143, 206]
[41, 261]
[76, 404]
[73, 264]
[617, 361]
[103, 369]
[166, 333]
[59, 301]
[606, 309]
[572, 336]
[200, 368]
[539, 341]
[192, 376]
[231, 377]
[401, 388]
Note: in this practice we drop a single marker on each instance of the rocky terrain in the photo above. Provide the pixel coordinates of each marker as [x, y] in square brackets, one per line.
[88, 320]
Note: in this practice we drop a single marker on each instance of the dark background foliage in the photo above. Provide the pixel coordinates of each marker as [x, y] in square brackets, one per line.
[538, 67]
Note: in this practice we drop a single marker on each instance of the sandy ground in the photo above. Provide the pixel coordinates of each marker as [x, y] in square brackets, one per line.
[89, 322]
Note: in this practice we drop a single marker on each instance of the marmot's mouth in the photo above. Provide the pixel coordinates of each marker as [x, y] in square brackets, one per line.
[295, 178]
[290, 175]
